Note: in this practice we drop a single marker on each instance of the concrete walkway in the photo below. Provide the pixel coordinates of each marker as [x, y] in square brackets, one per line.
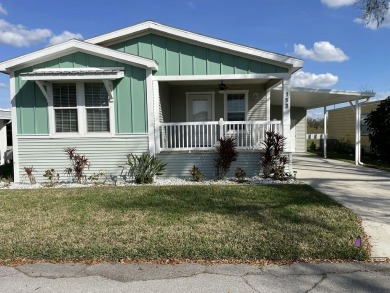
[364, 190]
[301, 277]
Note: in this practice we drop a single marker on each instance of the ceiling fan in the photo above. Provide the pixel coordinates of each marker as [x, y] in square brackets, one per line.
[222, 86]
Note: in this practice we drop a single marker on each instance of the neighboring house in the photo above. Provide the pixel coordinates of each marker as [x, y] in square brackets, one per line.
[341, 124]
[157, 89]
[5, 141]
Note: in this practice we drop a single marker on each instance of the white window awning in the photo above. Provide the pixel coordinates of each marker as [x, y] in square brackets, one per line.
[53, 74]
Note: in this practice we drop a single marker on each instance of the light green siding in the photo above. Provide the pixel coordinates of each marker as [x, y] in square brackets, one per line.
[105, 153]
[129, 96]
[31, 108]
[179, 164]
[179, 58]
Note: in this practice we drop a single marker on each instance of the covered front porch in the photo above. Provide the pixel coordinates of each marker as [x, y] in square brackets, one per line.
[191, 115]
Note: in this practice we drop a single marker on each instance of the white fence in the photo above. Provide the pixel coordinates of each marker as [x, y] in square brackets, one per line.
[204, 135]
[315, 136]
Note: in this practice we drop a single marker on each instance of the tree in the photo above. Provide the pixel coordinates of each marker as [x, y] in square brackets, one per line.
[373, 10]
[315, 125]
[378, 122]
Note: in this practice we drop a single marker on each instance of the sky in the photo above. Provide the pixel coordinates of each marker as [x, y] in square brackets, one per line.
[340, 52]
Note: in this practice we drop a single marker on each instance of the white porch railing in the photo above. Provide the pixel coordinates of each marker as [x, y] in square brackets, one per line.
[179, 136]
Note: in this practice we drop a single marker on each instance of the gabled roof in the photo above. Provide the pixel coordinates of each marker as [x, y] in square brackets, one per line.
[150, 26]
[73, 46]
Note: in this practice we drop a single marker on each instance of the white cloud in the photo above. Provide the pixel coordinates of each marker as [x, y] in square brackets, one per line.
[373, 25]
[311, 80]
[3, 10]
[191, 5]
[321, 51]
[3, 85]
[65, 36]
[338, 3]
[20, 36]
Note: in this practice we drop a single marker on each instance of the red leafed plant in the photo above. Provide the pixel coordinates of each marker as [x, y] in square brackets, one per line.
[78, 164]
[273, 162]
[30, 175]
[227, 154]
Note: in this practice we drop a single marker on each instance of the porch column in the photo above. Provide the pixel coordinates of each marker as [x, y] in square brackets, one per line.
[151, 104]
[357, 132]
[156, 104]
[286, 113]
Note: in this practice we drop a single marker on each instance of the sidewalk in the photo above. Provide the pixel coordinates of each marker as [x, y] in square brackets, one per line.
[301, 277]
[366, 191]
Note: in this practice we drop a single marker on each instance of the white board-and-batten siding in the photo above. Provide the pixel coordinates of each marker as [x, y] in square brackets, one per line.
[105, 154]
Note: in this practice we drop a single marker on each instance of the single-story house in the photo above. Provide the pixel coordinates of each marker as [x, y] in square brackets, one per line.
[341, 124]
[158, 89]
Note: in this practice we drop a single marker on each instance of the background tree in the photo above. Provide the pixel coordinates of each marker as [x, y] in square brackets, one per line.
[373, 10]
[315, 125]
[378, 122]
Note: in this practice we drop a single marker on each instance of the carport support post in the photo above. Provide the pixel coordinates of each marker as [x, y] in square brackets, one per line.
[325, 131]
[286, 113]
[357, 132]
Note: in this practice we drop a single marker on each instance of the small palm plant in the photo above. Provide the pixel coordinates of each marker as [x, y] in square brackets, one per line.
[145, 167]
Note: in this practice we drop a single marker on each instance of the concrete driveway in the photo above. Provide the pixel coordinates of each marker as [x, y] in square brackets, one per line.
[364, 190]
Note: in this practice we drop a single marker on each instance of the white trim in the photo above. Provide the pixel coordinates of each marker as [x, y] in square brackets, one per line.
[212, 103]
[222, 77]
[44, 90]
[225, 94]
[56, 77]
[204, 40]
[3, 140]
[73, 46]
[150, 101]
[15, 142]
[78, 69]
[108, 84]
[156, 114]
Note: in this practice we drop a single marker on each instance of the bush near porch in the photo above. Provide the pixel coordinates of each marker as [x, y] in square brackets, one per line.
[247, 222]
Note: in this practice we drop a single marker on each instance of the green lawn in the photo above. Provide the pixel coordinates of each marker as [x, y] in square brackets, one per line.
[242, 222]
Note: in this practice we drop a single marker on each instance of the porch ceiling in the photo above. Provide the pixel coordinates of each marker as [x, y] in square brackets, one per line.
[316, 98]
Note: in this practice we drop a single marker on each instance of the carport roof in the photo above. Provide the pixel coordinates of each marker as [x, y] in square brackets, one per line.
[315, 98]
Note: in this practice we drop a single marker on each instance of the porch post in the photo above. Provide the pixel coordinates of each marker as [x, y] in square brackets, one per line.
[156, 103]
[357, 132]
[286, 113]
[151, 105]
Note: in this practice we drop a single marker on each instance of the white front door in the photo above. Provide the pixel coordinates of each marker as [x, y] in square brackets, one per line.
[199, 109]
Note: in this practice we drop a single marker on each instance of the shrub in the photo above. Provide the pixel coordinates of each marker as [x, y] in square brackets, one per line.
[240, 175]
[145, 167]
[52, 177]
[273, 162]
[378, 122]
[78, 164]
[196, 174]
[313, 146]
[29, 172]
[227, 154]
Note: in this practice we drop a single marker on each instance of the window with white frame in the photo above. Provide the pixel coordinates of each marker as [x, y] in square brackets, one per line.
[65, 107]
[97, 107]
[69, 113]
[363, 125]
[235, 106]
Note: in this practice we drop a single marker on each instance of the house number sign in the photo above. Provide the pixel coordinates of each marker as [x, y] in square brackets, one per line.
[286, 101]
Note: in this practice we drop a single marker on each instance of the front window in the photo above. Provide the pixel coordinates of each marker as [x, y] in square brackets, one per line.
[65, 107]
[235, 107]
[97, 107]
[78, 112]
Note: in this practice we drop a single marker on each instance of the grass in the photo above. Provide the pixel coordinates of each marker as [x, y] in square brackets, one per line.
[242, 222]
